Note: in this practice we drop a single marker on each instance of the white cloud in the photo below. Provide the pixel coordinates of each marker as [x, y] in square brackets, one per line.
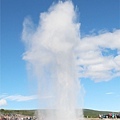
[21, 98]
[110, 93]
[92, 63]
[3, 102]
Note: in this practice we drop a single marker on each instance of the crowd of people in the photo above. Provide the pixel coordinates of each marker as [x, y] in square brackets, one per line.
[16, 117]
[23, 117]
[110, 115]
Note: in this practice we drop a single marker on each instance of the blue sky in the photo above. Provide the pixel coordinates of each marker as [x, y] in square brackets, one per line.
[99, 19]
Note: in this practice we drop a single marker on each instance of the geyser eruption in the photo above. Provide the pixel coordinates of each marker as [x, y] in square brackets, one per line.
[50, 53]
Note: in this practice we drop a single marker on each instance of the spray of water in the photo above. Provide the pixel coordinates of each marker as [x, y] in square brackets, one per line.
[50, 53]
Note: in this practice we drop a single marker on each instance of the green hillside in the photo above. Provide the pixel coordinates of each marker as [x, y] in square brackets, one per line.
[22, 112]
[87, 112]
[94, 113]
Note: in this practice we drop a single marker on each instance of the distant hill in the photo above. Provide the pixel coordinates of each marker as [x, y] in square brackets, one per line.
[22, 112]
[87, 112]
[95, 113]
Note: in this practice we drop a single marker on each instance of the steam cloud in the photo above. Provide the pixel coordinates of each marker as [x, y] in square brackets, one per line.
[50, 54]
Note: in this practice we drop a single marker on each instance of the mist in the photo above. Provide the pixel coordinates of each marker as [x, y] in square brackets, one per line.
[50, 54]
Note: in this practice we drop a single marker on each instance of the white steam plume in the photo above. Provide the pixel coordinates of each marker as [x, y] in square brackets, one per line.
[50, 53]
